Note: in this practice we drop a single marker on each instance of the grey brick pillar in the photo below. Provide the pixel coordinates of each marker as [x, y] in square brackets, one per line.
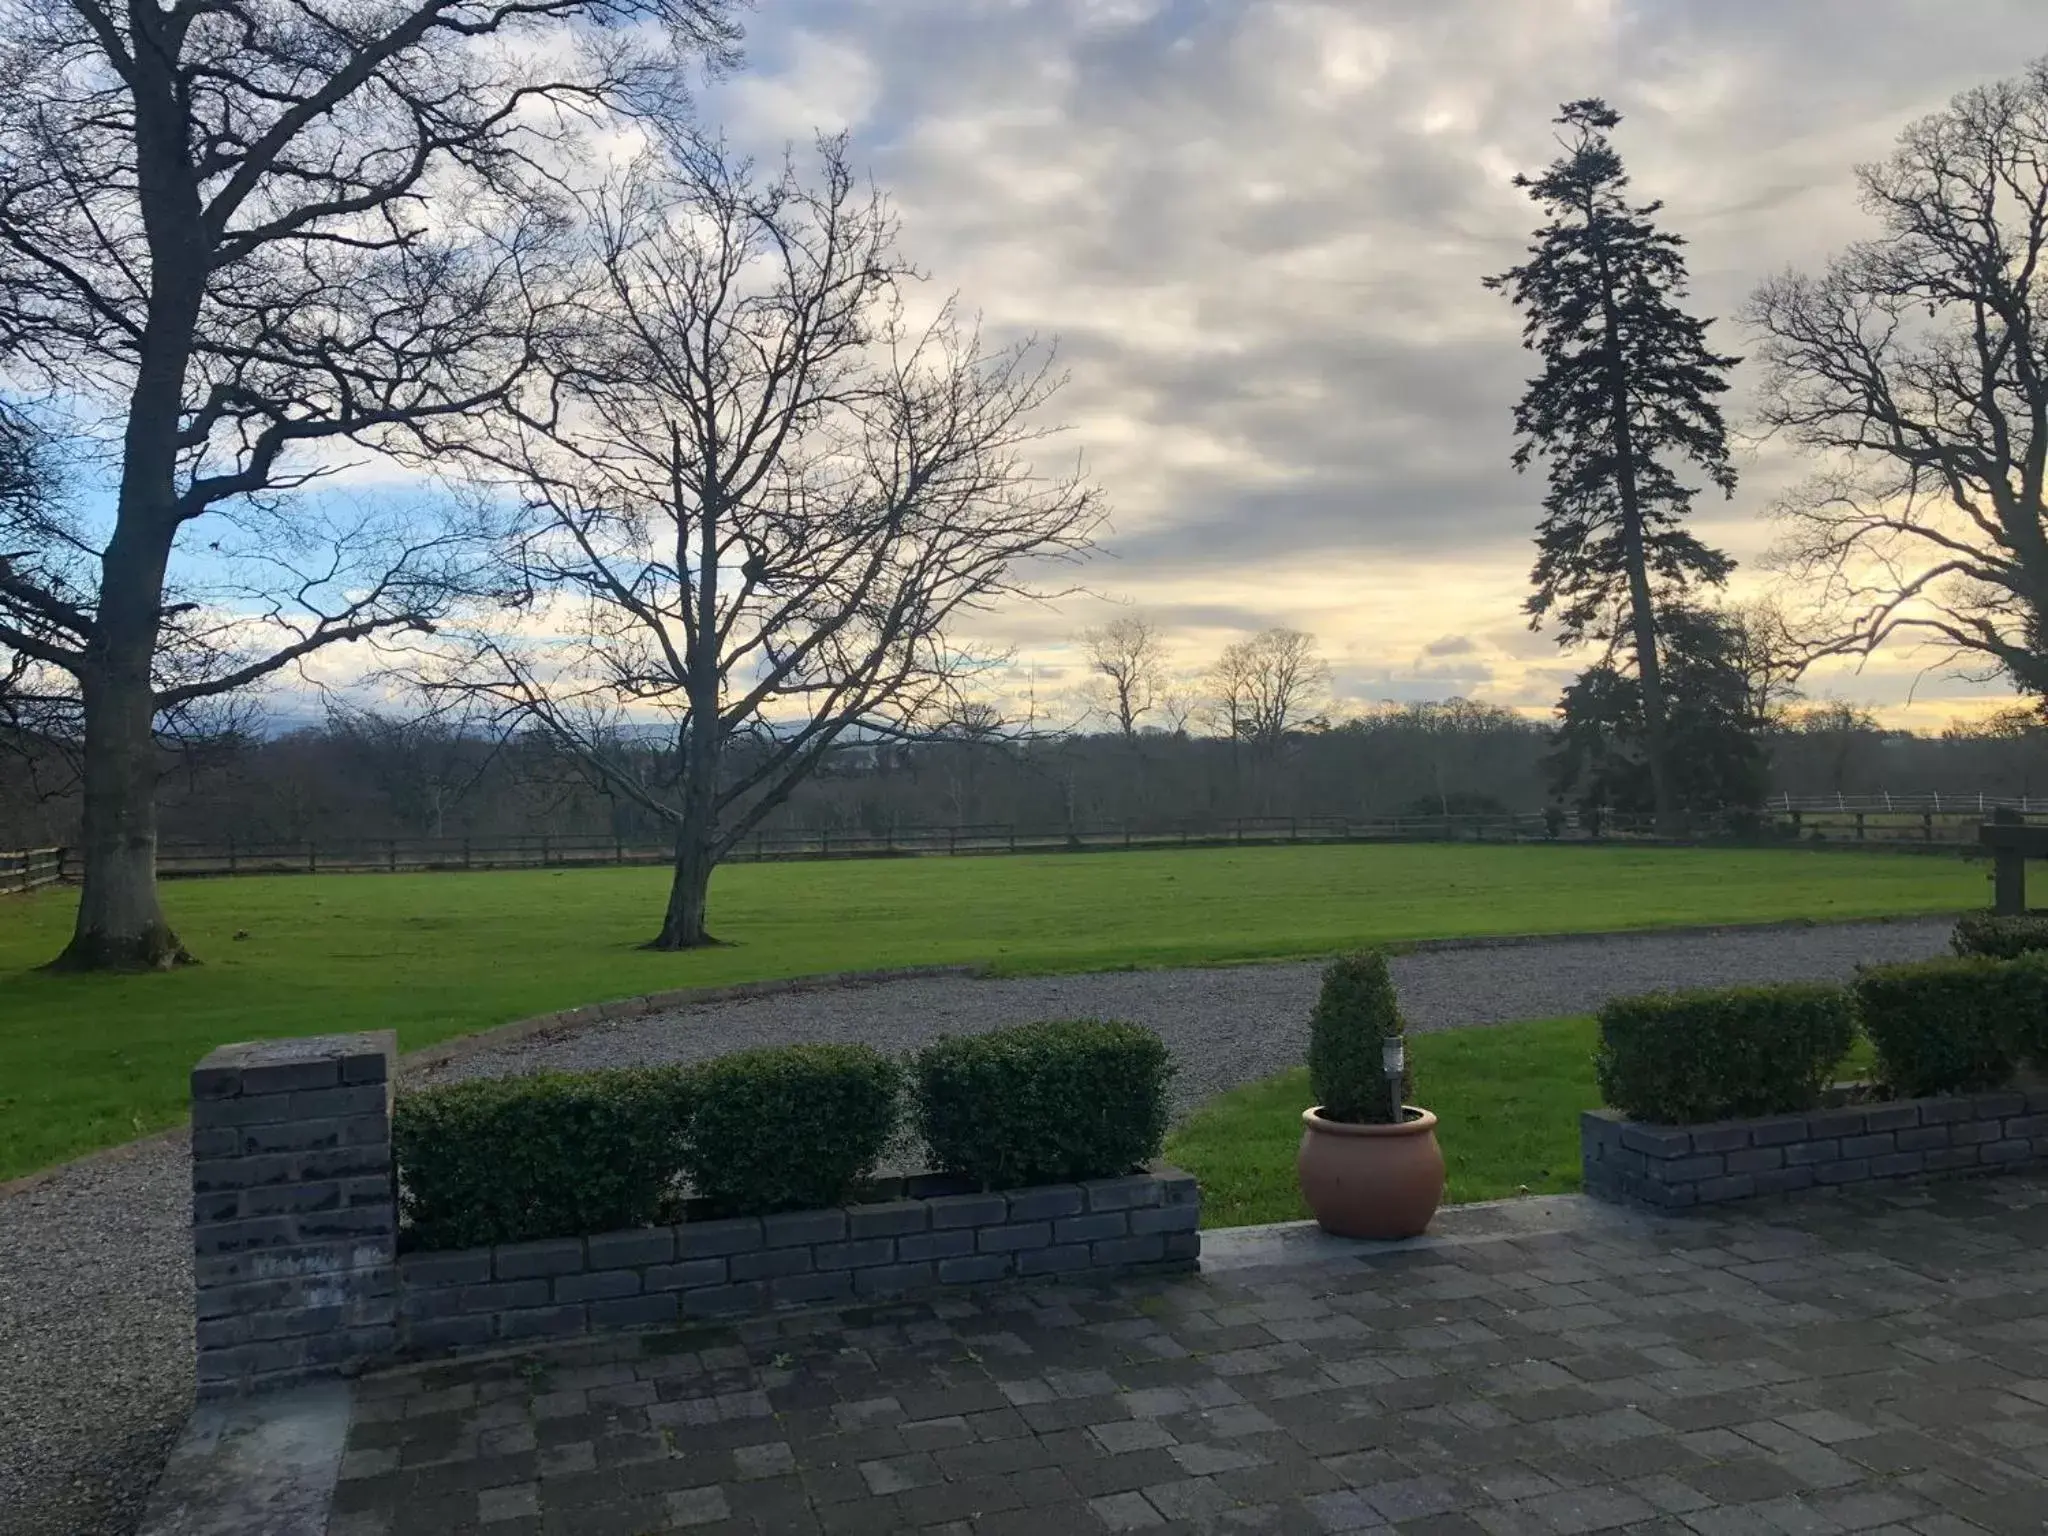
[294, 1210]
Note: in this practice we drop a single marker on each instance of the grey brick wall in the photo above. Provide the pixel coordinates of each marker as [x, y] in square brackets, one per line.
[1676, 1167]
[715, 1269]
[294, 1210]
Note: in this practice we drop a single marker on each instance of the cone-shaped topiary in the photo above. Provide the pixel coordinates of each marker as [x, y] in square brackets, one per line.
[1354, 1018]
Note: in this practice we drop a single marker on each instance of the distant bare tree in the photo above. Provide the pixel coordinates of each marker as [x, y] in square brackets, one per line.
[1179, 700]
[1771, 658]
[423, 763]
[762, 503]
[246, 234]
[1917, 364]
[1265, 686]
[2010, 722]
[1127, 656]
[1836, 738]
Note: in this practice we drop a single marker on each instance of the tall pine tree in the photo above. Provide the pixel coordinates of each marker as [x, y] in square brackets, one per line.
[1627, 393]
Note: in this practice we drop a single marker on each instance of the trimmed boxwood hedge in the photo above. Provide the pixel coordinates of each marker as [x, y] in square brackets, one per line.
[1684, 1058]
[507, 1159]
[790, 1127]
[1043, 1103]
[1989, 935]
[1953, 1026]
[1356, 1014]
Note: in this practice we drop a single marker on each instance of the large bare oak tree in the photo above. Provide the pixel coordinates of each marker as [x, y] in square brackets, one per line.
[247, 232]
[1916, 365]
[761, 501]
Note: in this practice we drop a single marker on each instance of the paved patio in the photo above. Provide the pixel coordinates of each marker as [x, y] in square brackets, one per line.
[1867, 1362]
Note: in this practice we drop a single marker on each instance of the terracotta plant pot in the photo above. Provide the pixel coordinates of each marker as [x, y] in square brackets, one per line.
[1382, 1181]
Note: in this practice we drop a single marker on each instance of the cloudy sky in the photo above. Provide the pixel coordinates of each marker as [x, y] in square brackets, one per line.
[1257, 230]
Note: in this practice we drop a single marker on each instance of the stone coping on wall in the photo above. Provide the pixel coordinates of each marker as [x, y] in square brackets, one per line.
[665, 1277]
[1677, 1167]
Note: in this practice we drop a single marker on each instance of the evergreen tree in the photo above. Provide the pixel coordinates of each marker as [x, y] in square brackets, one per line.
[1717, 764]
[1626, 394]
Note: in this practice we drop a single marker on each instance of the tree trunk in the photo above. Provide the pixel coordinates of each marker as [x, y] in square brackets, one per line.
[1650, 673]
[120, 923]
[682, 926]
[698, 741]
[1642, 614]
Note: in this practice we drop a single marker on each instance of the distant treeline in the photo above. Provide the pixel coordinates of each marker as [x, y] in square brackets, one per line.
[366, 775]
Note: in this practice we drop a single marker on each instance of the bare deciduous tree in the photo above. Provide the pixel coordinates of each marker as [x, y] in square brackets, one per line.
[1917, 364]
[1771, 657]
[1263, 687]
[422, 764]
[1127, 658]
[248, 232]
[763, 502]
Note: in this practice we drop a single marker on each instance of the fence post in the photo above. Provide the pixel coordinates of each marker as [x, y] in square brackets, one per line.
[1859, 826]
[1927, 825]
[391, 854]
[312, 859]
[1013, 837]
[2009, 870]
[824, 842]
[465, 853]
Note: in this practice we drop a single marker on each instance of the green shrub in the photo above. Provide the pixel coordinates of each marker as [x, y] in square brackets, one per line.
[1953, 1026]
[1681, 1058]
[1043, 1103]
[791, 1127]
[1990, 936]
[506, 1159]
[1355, 1015]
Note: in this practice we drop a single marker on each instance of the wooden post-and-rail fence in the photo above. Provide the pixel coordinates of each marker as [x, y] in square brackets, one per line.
[1837, 821]
[26, 868]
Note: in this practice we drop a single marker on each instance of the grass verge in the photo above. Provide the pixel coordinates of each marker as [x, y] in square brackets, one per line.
[1507, 1098]
[89, 1061]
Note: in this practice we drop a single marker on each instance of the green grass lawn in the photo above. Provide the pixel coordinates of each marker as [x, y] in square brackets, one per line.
[1507, 1097]
[89, 1061]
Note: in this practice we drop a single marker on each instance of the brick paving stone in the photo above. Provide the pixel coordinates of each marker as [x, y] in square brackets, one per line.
[1870, 1361]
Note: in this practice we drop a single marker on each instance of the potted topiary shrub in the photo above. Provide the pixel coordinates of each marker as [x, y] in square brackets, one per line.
[1369, 1163]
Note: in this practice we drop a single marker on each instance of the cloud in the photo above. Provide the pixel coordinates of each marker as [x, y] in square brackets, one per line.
[1258, 229]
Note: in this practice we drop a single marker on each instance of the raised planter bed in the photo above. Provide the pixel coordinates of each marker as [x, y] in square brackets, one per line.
[296, 1236]
[1671, 1168]
[919, 1236]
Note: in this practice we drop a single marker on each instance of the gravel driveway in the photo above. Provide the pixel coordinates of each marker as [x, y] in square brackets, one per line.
[95, 1271]
[1230, 1025]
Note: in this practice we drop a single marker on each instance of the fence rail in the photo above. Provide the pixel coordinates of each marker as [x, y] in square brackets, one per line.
[1975, 803]
[397, 855]
[24, 869]
[1945, 821]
